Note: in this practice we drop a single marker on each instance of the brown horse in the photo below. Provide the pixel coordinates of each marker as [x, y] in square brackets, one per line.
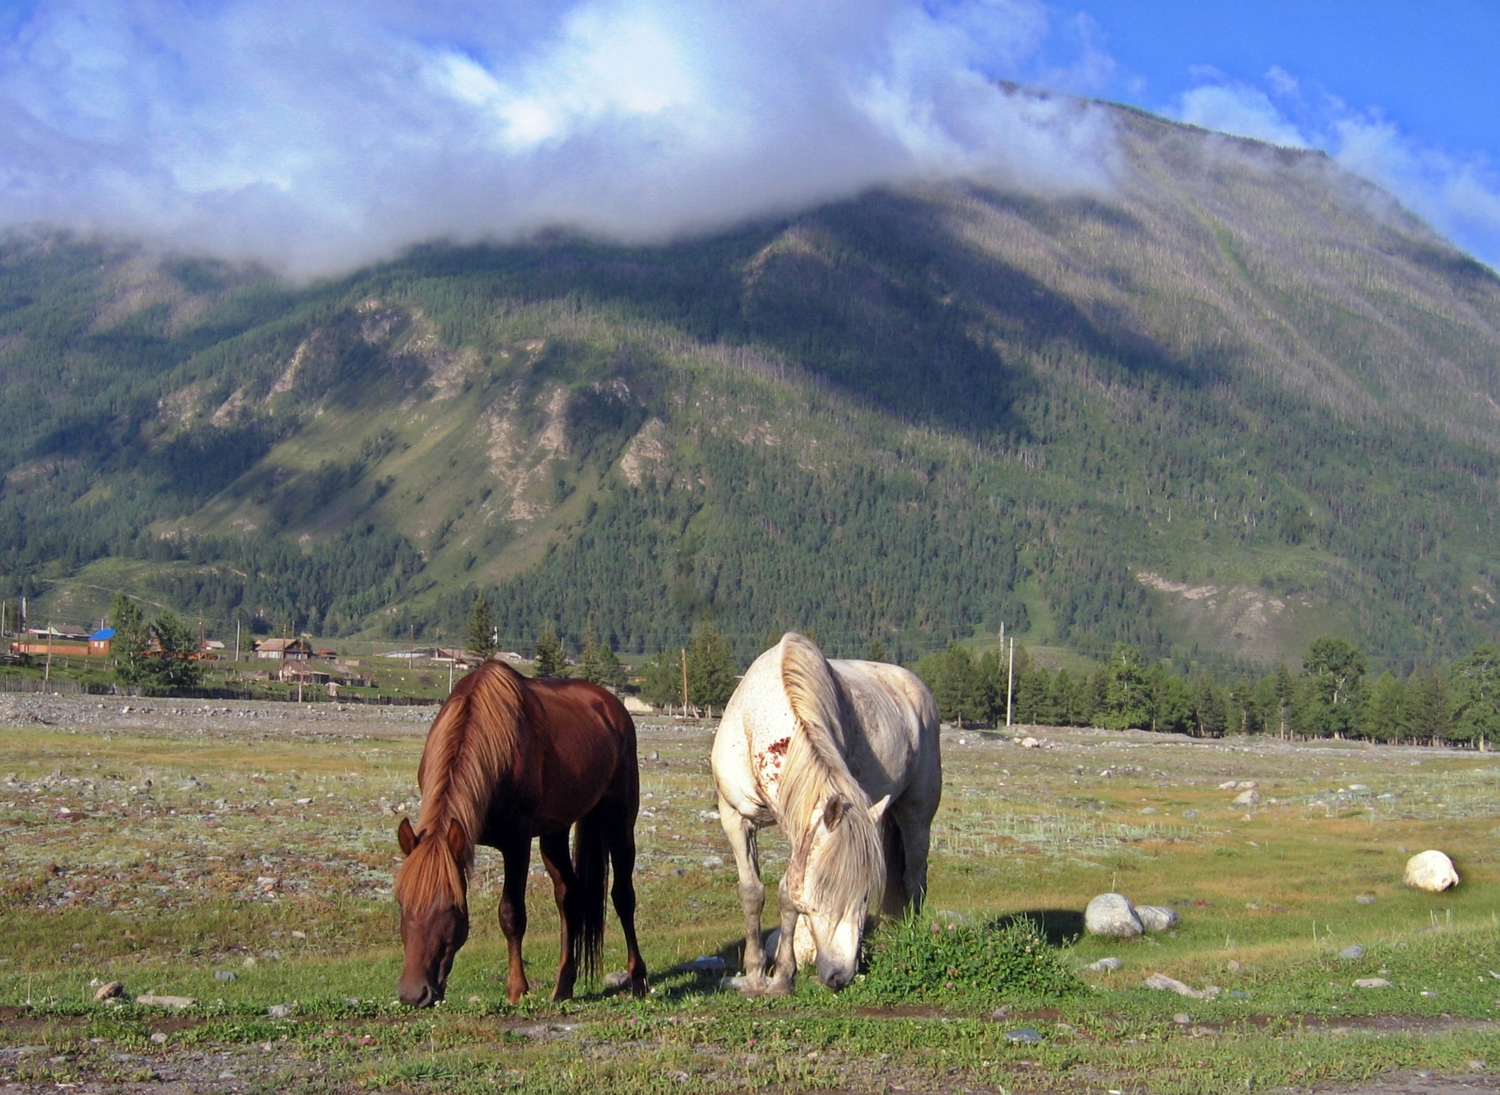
[508, 759]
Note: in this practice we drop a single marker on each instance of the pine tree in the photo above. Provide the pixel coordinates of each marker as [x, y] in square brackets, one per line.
[710, 668]
[1386, 719]
[1208, 707]
[1332, 690]
[167, 662]
[875, 652]
[1067, 700]
[131, 637]
[550, 660]
[1126, 700]
[1475, 686]
[598, 662]
[1427, 709]
[481, 636]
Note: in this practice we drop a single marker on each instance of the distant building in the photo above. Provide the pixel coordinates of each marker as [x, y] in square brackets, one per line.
[101, 642]
[282, 650]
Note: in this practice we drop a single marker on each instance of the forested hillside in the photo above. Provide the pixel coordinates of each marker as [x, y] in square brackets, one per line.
[1237, 400]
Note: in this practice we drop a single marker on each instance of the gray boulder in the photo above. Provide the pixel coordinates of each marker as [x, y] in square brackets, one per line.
[1156, 918]
[1112, 916]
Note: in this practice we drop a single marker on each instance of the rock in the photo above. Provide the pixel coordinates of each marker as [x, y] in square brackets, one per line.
[1106, 965]
[708, 963]
[1351, 954]
[279, 1011]
[1156, 918]
[225, 975]
[617, 980]
[1247, 798]
[712, 862]
[1431, 871]
[1023, 1034]
[1236, 966]
[1365, 899]
[1148, 809]
[158, 1038]
[1372, 983]
[1163, 983]
[114, 990]
[708, 815]
[1029, 743]
[1182, 1019]
[176, 1002]
[1112, 916]
[1189, 814]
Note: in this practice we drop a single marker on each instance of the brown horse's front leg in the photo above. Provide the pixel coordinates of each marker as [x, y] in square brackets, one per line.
[513, 913]
[564, 887]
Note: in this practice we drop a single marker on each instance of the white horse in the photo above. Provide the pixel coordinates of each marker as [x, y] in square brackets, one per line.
[843, 755]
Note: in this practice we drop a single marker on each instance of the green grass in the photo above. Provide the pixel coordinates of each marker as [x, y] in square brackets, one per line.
[159, 887]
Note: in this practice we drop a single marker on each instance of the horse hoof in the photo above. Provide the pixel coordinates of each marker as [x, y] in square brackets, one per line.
[747, 984]
[779, 988]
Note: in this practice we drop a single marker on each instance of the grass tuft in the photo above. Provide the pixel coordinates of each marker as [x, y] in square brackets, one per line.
[919, 957]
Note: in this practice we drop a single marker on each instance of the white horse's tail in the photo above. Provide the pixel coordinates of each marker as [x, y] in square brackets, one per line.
[816, 784]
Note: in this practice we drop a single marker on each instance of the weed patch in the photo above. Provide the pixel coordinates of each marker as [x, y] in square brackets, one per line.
[918, 957]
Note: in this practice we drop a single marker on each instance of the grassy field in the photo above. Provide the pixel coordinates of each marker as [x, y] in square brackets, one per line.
[241, 855]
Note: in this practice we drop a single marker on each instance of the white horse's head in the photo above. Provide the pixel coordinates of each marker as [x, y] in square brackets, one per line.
[837, 872]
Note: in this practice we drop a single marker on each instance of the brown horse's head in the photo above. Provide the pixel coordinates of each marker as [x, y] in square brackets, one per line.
[432, 891]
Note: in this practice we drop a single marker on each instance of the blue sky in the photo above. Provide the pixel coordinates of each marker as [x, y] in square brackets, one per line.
[1405, 93]
[317, 134]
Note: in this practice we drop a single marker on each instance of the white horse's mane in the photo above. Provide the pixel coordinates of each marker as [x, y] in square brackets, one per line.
[851, 867]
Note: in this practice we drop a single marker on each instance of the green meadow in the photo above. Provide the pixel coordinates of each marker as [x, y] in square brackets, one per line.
[241, 856]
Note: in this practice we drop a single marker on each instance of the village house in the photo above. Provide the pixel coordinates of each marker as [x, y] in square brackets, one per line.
[282, 650]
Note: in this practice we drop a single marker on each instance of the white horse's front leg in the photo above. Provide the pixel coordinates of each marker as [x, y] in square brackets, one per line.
[741, 832]
[786, 946]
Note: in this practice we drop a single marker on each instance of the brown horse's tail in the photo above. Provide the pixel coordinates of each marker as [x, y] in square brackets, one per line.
[591, 868]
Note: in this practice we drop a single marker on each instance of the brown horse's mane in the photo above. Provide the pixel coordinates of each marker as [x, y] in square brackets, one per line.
[470, 747]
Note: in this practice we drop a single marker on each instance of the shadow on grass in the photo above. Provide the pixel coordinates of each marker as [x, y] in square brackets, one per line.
[684, 979]
[1059, 927]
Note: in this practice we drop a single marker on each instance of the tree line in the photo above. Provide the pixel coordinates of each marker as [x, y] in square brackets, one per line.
[1331, 696]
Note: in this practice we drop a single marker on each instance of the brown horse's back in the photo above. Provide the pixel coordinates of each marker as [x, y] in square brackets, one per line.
[587, 756]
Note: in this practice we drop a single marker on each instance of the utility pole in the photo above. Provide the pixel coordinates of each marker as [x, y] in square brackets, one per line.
[684, 682]
[1010, 682]
[236, 642]
[47, 673]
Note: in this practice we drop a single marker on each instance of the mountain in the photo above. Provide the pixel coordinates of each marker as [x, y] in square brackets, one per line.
[1236, 401]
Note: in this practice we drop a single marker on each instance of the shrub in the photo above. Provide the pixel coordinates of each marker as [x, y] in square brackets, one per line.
[921, 956]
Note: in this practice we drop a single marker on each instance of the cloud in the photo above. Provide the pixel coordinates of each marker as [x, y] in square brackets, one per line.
[321, 134]
[1238, 110]
[1458, 195]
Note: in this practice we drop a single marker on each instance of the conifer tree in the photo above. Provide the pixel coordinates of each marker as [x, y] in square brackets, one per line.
[1427, 710]
[550, 660]
[1475, 686]
[1386, 719]
[481, 635]
[131, 637]
[710, 668]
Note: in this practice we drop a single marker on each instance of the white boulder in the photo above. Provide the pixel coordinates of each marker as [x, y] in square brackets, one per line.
[1247, 798]
[1431, 871]
[1112, 916]
[1156, 918]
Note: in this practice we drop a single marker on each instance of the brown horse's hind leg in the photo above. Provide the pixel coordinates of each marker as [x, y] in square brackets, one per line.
[622, 856]
[513, 913]
[564, 885]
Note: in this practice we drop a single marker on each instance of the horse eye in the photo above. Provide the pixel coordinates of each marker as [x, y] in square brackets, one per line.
[833, 813]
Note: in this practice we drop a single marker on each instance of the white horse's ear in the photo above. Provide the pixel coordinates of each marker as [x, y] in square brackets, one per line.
[877, 810]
